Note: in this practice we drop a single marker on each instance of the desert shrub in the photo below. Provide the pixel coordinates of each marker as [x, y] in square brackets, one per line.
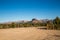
[56, 22]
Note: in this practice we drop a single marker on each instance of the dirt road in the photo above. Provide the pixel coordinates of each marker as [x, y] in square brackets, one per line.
[29, 34]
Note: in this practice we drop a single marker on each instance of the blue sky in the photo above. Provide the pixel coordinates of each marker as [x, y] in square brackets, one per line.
[13, 10]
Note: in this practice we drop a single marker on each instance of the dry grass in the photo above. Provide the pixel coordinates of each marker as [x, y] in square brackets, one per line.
[29, 34]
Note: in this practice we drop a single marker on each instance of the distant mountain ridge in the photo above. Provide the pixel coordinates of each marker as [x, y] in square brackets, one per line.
[25, 21]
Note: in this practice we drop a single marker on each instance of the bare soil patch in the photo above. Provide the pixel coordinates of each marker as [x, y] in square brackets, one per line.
[29, 33]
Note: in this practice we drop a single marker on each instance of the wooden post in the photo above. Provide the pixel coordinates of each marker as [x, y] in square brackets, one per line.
[47, 26]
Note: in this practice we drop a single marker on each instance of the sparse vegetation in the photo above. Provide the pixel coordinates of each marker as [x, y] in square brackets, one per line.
[51, 24]
[56, 22]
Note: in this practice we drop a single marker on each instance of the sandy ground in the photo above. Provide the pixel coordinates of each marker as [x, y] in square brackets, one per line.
[29, 34]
